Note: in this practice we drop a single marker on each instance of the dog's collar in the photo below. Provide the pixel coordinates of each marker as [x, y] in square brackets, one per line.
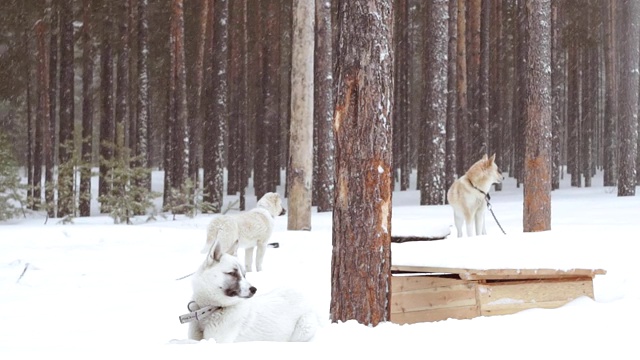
[199, 314]
[486, 194]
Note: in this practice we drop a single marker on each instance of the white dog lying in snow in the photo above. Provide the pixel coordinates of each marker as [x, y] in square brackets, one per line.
[226, 310]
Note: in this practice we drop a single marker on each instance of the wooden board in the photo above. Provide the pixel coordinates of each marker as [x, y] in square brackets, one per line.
[502, 274]
[431, 298]
[463, 312]
[499, 298]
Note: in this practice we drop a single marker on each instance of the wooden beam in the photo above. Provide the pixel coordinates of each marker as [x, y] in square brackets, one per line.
[502, 274]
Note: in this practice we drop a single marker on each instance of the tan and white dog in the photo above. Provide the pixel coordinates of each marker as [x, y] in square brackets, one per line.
[251, 229]
[468, 195]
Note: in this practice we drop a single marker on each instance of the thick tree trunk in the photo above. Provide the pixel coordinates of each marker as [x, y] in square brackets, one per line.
[537, 171]
[361, 260]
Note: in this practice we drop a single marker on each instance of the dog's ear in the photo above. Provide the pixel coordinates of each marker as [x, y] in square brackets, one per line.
[215, 253]
[493, 158]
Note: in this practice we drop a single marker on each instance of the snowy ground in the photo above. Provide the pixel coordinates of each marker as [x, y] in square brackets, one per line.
[97, 290]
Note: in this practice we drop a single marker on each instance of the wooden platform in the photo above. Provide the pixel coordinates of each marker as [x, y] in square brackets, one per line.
[421, 293]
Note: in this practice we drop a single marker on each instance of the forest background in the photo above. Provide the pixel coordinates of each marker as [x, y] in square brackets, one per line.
[102, 83]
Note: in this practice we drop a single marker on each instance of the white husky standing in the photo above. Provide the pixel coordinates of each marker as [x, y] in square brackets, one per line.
[468, 195]
[226, 310]
[250, 229]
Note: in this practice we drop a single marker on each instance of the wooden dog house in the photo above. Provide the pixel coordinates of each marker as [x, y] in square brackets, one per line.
[423, 293]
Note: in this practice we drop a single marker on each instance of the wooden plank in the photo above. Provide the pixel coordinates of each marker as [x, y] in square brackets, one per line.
[462, 312]
[502, 274]
[514, 308]
[515, 274]
[434, 298]
[510, 297]
[416, 282]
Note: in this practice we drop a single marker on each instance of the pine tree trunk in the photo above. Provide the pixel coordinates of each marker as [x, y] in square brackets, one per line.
[628, 116]
[361, 276]
[537, 176]
[462, 119]
[300, 167]
[215, 121]
[87, 108]
[482, 145]
[177, 170]
[556, 91]
[42, 137]
[107, 126]
[269, 139]
[66, 197]
[143, 106]
[573, 161]
[244, 106]
[452, 103]
[435, 105]
[122, 69]
[236, 44]
[521, 78]
[29, 115]
[474, 55]
[50, 132]
[323, 105]
[611, 95]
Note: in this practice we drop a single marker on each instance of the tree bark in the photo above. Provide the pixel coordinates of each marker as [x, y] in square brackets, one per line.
[177, 150]
[107, 126]
[87, 108]
[323, 106]
[142, 101]
[435, 105]
[300, 168]
[628, 120]
[611, 95]
[361, 275]
[42, 136]
[66, 198]
[537, 171]
[462, 120]
[452, 103]
[215, 121]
